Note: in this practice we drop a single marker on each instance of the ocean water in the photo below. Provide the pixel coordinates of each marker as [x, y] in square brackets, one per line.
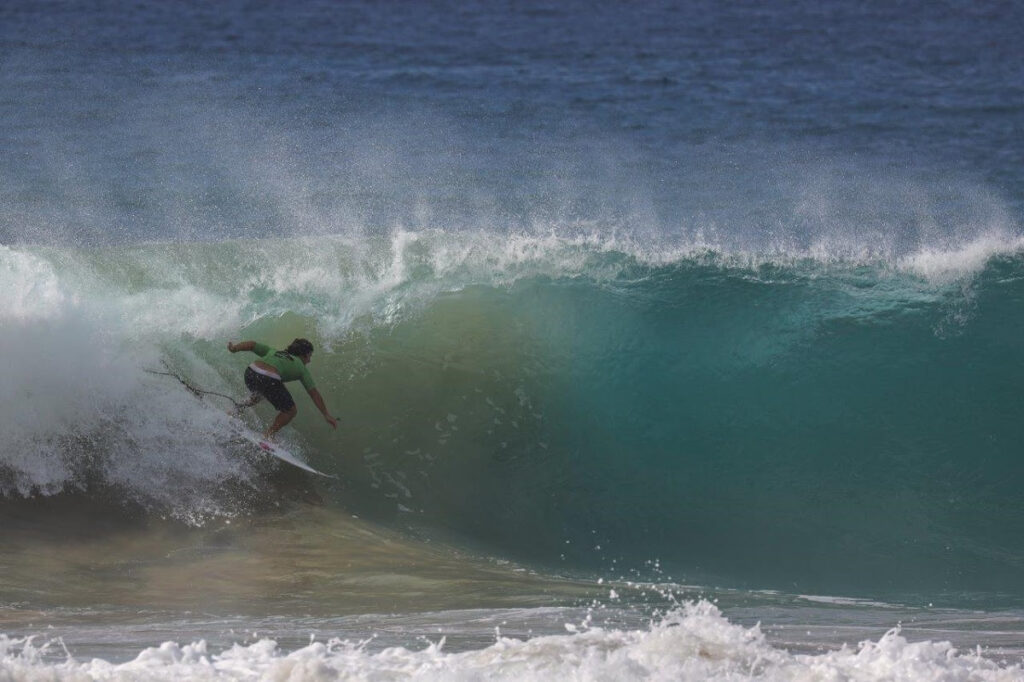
[667, 340]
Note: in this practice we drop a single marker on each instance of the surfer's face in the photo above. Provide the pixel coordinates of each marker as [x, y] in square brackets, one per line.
[306, 358]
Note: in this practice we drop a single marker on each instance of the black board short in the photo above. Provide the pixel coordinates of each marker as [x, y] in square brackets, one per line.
[271, 389]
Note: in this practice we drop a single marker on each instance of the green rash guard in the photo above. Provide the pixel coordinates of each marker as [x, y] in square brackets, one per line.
[288, 367]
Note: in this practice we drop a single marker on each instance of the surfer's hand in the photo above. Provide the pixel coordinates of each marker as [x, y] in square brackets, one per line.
[331, 420]
[231, 347]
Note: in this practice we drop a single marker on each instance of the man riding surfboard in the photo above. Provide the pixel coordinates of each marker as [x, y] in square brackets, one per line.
[265, 378]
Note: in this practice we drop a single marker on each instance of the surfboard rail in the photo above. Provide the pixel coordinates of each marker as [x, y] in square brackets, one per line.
[275, 450]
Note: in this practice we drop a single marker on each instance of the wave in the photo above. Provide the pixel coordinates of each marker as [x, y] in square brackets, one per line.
[843, 421]
[694, 642]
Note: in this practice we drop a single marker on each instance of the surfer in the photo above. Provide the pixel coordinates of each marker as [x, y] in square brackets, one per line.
[265, 378]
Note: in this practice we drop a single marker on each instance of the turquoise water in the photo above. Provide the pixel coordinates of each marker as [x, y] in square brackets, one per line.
[836, 427]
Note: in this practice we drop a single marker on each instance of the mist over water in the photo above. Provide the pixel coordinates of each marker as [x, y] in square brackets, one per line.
[670, 295]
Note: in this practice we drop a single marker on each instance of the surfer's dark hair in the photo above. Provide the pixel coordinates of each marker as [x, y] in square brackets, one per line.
[300, 347]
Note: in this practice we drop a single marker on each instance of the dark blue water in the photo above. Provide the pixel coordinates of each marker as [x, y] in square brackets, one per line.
[190, 121]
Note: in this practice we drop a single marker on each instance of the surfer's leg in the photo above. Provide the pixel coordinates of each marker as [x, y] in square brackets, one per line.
[253, 399]
[278, 396]
[255, 383]
[252, 382]
[283, 417]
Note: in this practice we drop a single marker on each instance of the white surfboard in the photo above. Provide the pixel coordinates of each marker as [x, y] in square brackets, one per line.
[243, 431]
[275, 450]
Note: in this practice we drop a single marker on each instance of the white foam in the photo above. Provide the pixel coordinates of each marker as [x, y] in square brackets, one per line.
[31, 287]
[962, 260]
[487, 258]
[694, 642]
[846, 601]
[76, 396]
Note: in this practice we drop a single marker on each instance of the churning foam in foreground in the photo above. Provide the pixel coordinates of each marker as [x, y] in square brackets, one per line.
[694, 642]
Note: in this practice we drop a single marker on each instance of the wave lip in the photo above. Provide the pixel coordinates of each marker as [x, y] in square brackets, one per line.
[693, 642]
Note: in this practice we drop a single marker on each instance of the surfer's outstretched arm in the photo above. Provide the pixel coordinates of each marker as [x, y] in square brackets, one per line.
[319, 402]
[242, 345]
